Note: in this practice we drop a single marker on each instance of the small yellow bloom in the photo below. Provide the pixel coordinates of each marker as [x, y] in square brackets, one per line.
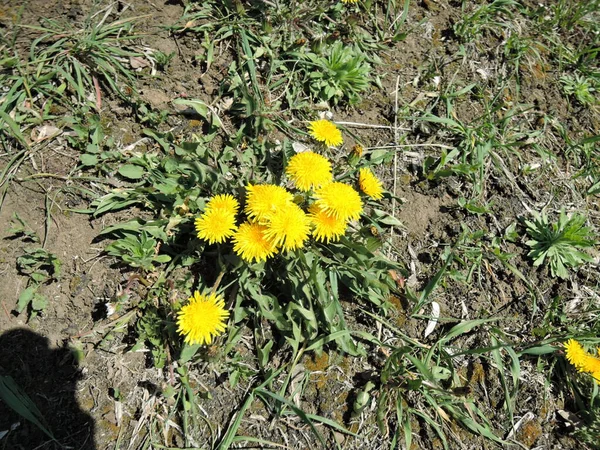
[216, 225]
[339, 200]
[203, 318]
[250, 243]
[264, 199]
[326, 131]
[309, 170]
[327, 227]
[370, 184]
[288, 227]
[223, 201]
[349, 1]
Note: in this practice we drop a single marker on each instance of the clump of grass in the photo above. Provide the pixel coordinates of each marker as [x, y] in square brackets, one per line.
[559, 244]
[96, 53]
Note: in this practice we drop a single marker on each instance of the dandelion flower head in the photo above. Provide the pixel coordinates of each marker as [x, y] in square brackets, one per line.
[216, 225]
[264, 199]
[349, 1]
[309, 170]
[203, 318]
[326, 131]
[582, 360]
[340, 200]
[223, 201]
[250, 243]
[370, 184]
[288, 227]
[326, 227]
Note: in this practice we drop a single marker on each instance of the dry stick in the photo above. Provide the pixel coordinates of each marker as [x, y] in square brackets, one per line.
[447, 147]
[5, 310]
[368, 125]
[396, 138]
[98, 93]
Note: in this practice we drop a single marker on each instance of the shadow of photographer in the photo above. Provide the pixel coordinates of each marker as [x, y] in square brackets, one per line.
[38, 409]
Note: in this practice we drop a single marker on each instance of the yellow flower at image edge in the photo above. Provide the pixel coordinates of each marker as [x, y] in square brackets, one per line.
[370, 184]
[340, 200]
[250, 243]
[349, 1]
[215, 225]
[327, 227]
[203, 318]
[308, 170]
[326, 131]
[583, 361]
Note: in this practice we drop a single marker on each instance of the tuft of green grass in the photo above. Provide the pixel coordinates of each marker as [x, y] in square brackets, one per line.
[559, 244]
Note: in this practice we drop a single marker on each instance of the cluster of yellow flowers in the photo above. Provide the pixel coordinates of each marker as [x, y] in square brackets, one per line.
[275, 222]
[582, 360]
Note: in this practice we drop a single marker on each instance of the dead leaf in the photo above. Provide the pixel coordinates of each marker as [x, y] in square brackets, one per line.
[137, 62]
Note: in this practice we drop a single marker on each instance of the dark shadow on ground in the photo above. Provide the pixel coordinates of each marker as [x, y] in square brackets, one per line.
[49, 378]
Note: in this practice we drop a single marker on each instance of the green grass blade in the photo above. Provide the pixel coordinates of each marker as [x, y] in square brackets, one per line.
[21, 403]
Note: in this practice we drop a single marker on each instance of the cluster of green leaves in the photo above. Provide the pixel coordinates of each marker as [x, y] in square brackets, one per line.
[559, 244]
[580, 87]
[38, 264]
[341, 73]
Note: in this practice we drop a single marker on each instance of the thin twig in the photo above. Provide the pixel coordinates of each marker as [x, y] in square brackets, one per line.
[368, 125]
[396, 139]
[447, 147]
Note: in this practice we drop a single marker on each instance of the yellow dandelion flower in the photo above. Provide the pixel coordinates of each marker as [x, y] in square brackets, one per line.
[339, 200]
[223, 201]
[264, 199]
[309, 170]
[203, 318]
[349, 1]
[215, 225]
[250, 243]
[288, 227]
[591, 364]
[582, 360]
[326, 227]
[370, 184]
[326, 131]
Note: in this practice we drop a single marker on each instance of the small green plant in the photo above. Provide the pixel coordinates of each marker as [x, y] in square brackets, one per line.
[138, 251]
[162, 59]
[579, 87]
[40, 266]
[341, 72]
[559, 244]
